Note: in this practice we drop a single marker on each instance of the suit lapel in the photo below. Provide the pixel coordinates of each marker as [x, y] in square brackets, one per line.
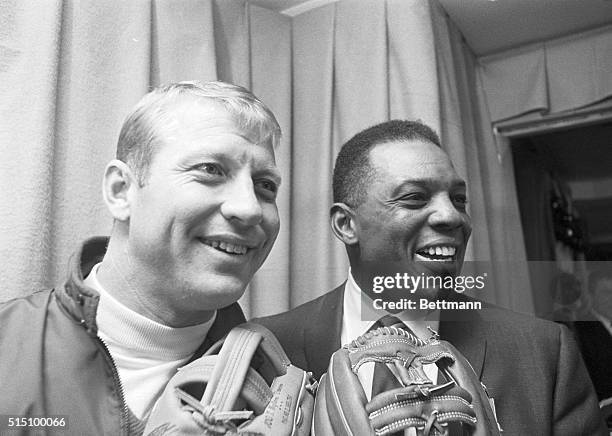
[322, 333]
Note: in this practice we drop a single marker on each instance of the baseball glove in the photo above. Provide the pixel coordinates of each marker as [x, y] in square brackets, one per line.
[460, 405]
[249, 388]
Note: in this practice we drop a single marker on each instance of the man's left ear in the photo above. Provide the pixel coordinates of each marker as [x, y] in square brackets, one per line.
[119, 181]
[343, 224]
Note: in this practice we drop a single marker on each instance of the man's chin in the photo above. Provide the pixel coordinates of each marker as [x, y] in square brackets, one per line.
[218, 292]
[435, 294]
[439, 268]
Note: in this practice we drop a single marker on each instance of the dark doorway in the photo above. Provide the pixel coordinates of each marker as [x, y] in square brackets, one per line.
[578, 162]
[564, 189]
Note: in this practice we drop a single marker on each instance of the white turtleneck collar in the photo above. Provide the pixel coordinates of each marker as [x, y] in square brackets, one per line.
[146, 353]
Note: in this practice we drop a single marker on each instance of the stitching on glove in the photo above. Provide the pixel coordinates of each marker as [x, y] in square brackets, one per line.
[415, 402]
[389, 428]
[261, 393]
[396, 340]
[234, 362]
[389, 331]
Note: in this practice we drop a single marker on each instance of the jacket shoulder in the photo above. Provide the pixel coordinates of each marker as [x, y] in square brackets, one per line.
[521, 324]
[35, 297]
[21, 308]
[298, 317]
[291, 327]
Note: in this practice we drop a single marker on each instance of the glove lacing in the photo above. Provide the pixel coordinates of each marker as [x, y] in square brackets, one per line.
[433, 424]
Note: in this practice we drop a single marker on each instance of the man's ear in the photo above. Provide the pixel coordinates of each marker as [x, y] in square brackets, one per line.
[118, 181]
[342, 220]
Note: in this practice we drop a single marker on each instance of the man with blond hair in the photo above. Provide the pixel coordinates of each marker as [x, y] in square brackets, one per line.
[192, 193]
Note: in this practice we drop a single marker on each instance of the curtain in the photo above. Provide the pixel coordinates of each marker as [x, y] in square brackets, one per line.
[410, 63]
[71, 70]
[555, 76]
[83, 64]
[486, 164]
[567, 75]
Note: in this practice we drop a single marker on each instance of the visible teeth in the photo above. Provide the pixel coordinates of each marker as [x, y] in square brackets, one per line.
[227, 247]
[447, 251]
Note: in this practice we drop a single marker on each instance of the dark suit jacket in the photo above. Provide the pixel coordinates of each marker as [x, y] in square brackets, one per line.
[596, 346]
[531, 367]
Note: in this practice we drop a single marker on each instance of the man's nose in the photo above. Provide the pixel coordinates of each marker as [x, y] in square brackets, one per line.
[241, 203]
[446, 214]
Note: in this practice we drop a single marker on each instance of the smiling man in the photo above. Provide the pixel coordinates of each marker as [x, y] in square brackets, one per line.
[193, 196]
[400, 210]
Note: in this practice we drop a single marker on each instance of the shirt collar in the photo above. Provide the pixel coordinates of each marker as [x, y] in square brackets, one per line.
[358, 317]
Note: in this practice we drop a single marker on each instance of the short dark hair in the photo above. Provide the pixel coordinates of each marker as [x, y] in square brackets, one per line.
[142, 130]
[353, 171]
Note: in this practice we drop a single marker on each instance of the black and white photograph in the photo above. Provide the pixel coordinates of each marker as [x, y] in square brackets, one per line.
[306, 217]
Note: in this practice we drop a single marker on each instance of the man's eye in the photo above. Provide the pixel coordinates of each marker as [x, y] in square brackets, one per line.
[414, 200]
[268, 187]
[460, 200]
[211, 168]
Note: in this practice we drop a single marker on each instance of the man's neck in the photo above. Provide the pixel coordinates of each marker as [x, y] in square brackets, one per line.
[133, 289]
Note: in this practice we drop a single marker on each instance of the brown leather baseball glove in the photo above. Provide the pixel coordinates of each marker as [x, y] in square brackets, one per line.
[459, 405]
[249, 388]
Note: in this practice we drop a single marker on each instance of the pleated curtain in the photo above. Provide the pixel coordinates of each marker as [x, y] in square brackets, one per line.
[69, 73]
[71, 70]
[357, 63]
[551, 77]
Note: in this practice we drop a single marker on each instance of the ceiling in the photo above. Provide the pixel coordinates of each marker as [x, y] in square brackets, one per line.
[491, 26]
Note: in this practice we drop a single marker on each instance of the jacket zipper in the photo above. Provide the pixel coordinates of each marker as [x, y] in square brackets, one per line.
[125, 420]
[117, 380]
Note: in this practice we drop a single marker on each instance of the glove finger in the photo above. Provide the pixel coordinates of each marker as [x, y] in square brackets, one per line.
[408, 407]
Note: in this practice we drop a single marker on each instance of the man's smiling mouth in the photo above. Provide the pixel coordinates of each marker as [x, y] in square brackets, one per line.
[226, 247]
[441, 253]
